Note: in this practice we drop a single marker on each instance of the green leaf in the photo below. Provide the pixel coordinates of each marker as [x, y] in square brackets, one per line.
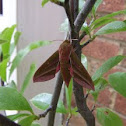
[11, 99]
[110, 63]
[118, 82]
[108, 16]
[44, 2]
[28, 78]
[97, 3]
[27, 121]
[74, 111]
[108, 118]
[102, 22]
[7, 35]
[17, 116]
[42, 101]
[116, 26]
[35, 124]
[3, 67]
[84, 61]
[16, 39]
[2, 41]
[69, 92]
[22, 53]
[100, 85]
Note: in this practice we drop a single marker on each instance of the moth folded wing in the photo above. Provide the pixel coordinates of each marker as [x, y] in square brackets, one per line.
[79, 73]
[48, 69]
[65, 72]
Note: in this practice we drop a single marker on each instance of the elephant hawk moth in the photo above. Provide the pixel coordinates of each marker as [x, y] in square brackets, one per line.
[65, 60]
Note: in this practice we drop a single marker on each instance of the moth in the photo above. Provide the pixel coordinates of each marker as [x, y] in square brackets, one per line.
[65, 60]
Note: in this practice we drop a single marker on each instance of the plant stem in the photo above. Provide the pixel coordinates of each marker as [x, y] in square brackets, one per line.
[68, 119]
[1, 59]
[55, 99]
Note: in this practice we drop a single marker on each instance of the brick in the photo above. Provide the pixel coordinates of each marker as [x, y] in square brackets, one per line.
[111, 5]
[104, 97]
[90, 97]
[101, 49]
[124, 122]
[90, 103]
[117, 36]
[120, 104]
[93, 65]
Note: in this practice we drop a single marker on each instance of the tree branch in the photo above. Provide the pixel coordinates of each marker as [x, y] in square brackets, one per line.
[83, 14]
[45, 112]
[76, 10]
[55, 99]
[68, 13]
[82, 106]
[78, 90]
[80, 99]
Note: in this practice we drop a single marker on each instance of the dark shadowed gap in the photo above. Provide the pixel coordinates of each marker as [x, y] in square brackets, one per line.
[1, 7]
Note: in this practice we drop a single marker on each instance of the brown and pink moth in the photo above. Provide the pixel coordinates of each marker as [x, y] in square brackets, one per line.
[65, 60]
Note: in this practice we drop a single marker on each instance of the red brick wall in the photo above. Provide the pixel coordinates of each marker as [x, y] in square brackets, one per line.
[100, 50]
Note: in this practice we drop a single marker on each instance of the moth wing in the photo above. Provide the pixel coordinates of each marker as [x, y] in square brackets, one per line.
[48, 69]
[65, 71]
[79, 73]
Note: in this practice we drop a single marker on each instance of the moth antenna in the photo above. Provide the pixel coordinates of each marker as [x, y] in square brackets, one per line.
[56, 40]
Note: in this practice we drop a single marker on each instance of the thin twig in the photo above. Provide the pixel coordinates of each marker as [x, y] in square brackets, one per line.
[86, 96]
[68, 120]
[55, 99]
[86, 43]
[83, 14]
[45, 112]
[93, 108]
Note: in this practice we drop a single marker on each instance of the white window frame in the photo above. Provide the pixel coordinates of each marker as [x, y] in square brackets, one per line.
[8, 17]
